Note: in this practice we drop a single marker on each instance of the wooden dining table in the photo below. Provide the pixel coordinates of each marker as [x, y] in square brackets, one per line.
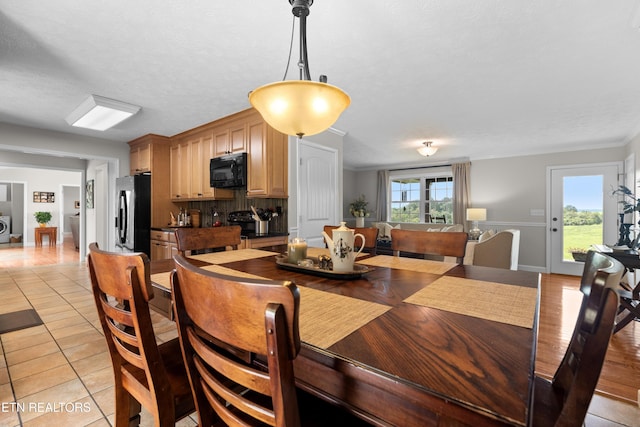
[409, 342]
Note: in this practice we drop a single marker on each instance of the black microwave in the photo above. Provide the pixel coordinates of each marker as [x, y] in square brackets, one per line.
[229, 171]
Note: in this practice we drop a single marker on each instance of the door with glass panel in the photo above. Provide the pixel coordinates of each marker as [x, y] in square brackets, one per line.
[582, 213]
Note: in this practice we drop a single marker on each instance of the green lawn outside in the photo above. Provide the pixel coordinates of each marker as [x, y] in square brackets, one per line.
[581, 236]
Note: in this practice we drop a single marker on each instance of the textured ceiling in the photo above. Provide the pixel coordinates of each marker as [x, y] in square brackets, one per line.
[482, 79]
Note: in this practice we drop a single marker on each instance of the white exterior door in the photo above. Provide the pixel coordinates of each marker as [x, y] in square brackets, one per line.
[317, 191]
[578, 195]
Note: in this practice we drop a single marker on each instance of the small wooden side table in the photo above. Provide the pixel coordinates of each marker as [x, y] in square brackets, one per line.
[52, 232]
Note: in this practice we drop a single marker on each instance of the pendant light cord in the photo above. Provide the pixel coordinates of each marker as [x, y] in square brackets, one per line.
[286, 70]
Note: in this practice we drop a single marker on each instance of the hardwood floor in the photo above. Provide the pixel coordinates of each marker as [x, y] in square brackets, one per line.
[615, 403]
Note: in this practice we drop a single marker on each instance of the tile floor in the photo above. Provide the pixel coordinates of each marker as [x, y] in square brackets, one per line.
[59, 373]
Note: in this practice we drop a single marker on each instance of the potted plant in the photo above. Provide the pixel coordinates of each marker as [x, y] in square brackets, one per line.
[43, 218]
[629, 201]
[358, 208]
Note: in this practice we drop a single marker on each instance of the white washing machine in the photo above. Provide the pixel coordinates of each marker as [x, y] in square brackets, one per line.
[5, 229]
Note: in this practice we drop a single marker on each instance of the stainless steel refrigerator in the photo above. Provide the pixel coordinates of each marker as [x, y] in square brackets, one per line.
[133, 222]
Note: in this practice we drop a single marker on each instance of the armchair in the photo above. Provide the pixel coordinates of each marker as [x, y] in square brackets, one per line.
[500, 250]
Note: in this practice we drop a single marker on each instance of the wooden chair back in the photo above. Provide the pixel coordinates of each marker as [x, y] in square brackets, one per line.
[144, 371]
[370, 237]
[441, 243]
[565, 399]
[264, 324]
[200, 239]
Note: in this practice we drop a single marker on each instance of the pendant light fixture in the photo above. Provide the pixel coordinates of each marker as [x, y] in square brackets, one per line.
[300, 107]
[427, 150]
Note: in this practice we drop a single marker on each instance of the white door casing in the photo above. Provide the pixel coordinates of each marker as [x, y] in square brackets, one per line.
[555, 243]
[317, 191]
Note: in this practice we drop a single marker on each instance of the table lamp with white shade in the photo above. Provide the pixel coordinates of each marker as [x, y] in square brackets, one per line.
[475, 215]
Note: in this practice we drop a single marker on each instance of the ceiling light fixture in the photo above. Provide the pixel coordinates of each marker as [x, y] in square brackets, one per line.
[100, 113]
[300, 107]
[427, 150]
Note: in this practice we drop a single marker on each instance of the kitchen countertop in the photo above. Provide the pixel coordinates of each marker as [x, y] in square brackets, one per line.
[171, 228]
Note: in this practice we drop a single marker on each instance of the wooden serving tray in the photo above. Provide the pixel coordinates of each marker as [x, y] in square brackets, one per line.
[358, 270]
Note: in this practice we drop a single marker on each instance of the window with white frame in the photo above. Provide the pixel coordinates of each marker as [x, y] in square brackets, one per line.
[425, 196]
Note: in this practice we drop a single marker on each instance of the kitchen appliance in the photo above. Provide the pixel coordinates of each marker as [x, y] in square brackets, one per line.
[228, 171]
[133, 222]
[245, 220]
[5, 229]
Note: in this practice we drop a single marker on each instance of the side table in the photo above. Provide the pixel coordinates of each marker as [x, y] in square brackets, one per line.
[51, 232]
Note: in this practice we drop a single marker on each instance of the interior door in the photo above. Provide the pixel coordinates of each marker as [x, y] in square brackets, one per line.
[582, 212]
[318, 201]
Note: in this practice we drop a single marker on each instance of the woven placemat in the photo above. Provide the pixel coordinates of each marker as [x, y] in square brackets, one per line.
[326, 318]
[232, 256]
[412, 264]
[164, 279]
[513, 305]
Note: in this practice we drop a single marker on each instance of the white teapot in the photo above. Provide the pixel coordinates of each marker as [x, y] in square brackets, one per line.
[341, 248]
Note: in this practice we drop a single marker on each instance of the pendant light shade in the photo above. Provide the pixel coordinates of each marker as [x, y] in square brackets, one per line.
[300, 107]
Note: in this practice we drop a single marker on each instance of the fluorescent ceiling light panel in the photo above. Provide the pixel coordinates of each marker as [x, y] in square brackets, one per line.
[99, 113]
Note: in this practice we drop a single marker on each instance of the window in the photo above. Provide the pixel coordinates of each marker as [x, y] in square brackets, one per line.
[427, 198]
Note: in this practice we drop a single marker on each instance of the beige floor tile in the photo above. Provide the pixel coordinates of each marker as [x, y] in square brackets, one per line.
[36, 366]
[4, 376]
[74, 320]
[78, 413]
[75, 339]
[96, 362]
[72, 330]
[106, 401]
[9, 418]
[23, 343]
[33, 352]
[60, 394]
[103, 422]
[98, 380]
[87, 349]
[6, 393]
[35, 383]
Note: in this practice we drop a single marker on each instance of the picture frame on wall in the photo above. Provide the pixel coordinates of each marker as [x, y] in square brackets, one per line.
[44, 197]
[89, 194]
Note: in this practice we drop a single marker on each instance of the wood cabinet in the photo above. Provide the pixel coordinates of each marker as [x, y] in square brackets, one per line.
[190, 157]
[140, 158]
[163, 245]
[267, 149]
[180, 174]
[154, 149]
[229, 137]
[268, 160]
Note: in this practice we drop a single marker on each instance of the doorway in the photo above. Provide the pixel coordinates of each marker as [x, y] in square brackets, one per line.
[582, 213]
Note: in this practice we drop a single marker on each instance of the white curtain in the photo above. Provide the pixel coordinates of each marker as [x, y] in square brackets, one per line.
[461, 187]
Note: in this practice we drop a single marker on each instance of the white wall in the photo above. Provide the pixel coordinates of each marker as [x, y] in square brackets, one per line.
[40, 180]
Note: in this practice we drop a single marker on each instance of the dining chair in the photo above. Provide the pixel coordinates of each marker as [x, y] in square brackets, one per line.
[370, 237]
[199, 240]
[564, 400]
[239, 357]
[145, 373]
[439, 243]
